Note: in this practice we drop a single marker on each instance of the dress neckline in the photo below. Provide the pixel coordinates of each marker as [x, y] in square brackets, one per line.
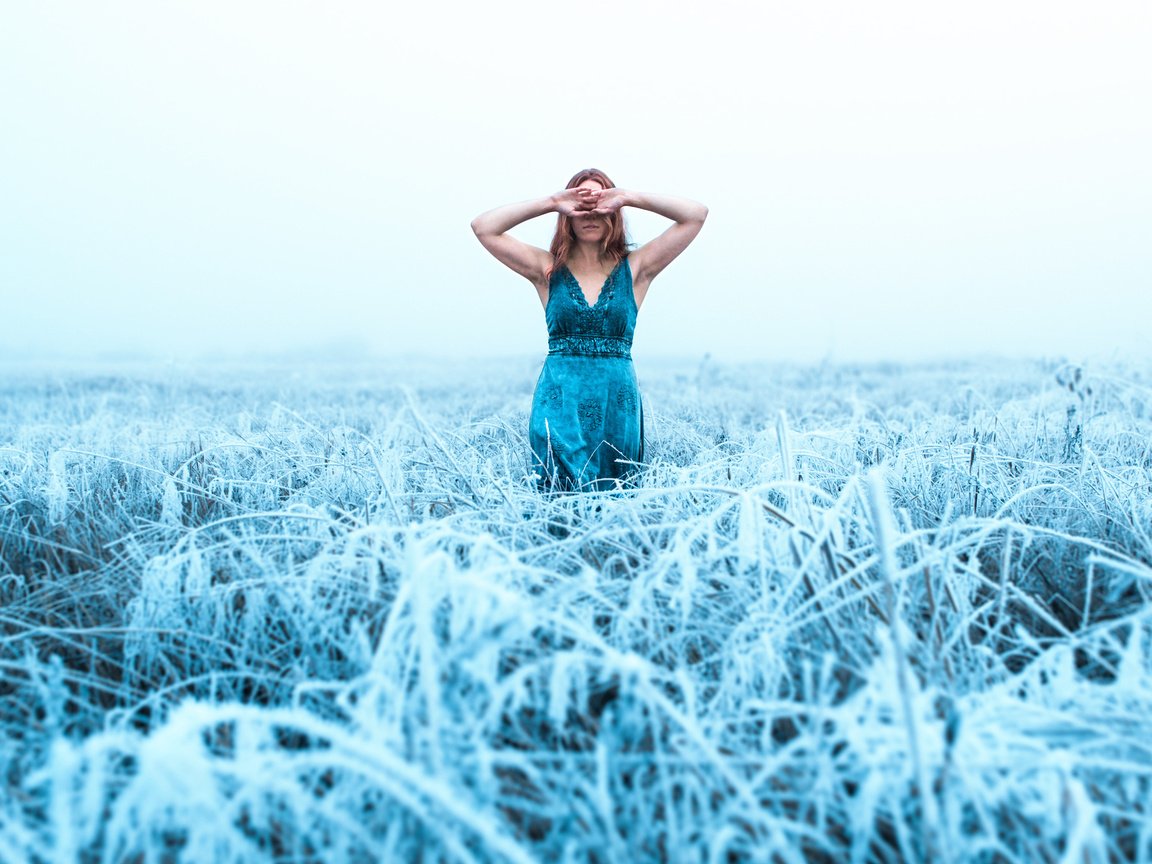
[604, 289]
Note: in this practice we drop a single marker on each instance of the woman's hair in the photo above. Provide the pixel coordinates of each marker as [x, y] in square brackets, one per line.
[615, 243]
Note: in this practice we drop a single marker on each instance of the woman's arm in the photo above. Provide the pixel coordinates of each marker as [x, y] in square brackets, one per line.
[659, 252]
[529, 261]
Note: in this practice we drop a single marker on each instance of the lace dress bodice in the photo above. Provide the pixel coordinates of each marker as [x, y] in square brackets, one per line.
[603, 329]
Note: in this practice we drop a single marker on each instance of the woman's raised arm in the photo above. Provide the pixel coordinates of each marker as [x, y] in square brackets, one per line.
[660, 251]
[529, 261]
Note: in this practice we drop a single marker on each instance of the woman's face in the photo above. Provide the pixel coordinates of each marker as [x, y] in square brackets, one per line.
[586, 226]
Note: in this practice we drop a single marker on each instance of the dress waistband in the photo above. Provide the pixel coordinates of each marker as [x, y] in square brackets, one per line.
[591, 346]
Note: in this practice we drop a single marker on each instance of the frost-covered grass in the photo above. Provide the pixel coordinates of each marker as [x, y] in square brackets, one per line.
[851, 614]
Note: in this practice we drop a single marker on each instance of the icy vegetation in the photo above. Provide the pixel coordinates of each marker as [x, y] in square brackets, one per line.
[852, 614]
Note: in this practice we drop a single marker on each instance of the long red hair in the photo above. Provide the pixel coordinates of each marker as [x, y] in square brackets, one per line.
[615, 242]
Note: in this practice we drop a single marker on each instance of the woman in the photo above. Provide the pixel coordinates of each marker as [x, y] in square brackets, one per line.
[586, 430]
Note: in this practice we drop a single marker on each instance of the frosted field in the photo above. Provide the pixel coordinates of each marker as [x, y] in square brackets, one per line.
[852, 614]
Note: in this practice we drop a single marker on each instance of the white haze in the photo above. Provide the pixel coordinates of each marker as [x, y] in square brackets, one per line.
[892, 180]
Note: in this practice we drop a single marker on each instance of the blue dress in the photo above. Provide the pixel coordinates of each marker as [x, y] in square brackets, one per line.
[587, 426]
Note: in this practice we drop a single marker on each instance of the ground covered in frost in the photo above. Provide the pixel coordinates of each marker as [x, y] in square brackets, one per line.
[852, 613]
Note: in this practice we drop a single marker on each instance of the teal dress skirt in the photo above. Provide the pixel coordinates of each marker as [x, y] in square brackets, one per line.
[587, 424]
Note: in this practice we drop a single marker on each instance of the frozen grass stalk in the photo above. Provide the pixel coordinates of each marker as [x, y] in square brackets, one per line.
[886, 543]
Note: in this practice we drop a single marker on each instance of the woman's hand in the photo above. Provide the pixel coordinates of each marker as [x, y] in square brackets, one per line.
[608, 201]
[573, 201]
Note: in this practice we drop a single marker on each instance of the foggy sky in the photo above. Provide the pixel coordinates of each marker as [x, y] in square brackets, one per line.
[892, 180]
